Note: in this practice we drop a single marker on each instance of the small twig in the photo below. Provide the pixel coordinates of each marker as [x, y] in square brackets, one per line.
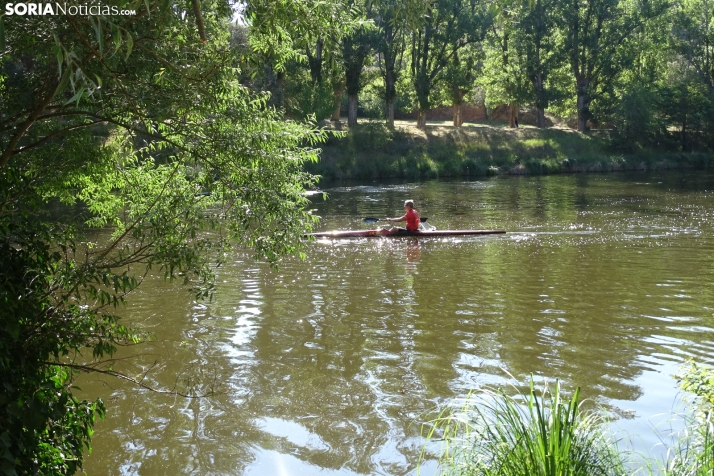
[119, 375]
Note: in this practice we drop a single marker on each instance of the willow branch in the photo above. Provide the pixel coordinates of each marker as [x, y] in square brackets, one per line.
[119, 375]
[54, 134]
[22, 128]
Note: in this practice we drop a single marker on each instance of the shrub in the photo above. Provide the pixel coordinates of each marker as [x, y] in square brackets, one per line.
[498, 435]
[694, 453]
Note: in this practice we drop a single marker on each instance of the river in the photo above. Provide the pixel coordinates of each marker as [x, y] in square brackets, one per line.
[329, 365]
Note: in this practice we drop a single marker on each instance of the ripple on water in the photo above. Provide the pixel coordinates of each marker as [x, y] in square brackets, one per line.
[601, 282]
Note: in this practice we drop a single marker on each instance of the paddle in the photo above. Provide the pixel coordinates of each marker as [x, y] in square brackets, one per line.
[375, 220]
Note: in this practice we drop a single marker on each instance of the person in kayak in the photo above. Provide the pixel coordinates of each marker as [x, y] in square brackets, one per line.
[411, 217]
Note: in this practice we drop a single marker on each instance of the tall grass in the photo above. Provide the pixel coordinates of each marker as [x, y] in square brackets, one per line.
[494, 434]
[694, 453]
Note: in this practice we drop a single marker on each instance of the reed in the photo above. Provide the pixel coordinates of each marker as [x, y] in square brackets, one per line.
[693, 455]
[494, 434]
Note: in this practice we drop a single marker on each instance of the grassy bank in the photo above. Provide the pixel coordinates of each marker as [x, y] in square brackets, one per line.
[371, 150]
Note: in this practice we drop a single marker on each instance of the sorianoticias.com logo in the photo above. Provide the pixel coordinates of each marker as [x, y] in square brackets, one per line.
[56, 8]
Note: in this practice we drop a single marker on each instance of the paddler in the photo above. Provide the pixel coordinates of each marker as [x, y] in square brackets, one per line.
[411, 217]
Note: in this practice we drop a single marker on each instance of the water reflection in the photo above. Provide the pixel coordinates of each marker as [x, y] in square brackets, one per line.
[413, 251]
[330, 364]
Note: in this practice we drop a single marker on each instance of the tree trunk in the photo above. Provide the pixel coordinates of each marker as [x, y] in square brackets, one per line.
[457, 115]
[279, 89]
[273, 82]
[583, 104]
[336, 113]
[421, 120]
[354, 53]
[458, 102]
[390, 93]
[315, 63]
[352, 110]
[390, 114]
[541, 100]
[338, 104]
[390, 74]
[512, 115]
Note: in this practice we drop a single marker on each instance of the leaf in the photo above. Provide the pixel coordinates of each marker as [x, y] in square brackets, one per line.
[116, 36]
[63, 82]
[129, 44]
[97, 27]
[76, 97]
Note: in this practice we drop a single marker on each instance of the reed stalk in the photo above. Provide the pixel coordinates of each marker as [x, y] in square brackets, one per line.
[494, 434]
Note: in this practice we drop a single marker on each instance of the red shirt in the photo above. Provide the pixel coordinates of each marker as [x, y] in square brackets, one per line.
[412, 218]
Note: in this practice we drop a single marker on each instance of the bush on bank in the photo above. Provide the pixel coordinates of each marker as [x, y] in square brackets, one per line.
[539, 433]
[543, 433]
[373, 151]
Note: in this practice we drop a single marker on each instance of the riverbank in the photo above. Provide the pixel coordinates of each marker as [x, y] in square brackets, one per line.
[371, 150]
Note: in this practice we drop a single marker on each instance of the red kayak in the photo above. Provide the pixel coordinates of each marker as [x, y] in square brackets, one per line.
[385, 233]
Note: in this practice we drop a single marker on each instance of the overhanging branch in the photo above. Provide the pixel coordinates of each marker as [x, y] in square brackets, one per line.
[121, 376]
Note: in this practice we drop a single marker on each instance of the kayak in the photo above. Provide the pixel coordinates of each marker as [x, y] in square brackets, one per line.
[384, 233]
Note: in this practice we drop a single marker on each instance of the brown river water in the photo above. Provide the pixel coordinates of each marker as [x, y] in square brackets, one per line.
[328, 366]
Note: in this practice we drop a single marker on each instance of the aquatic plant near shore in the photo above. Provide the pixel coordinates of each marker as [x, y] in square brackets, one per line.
[494, 434]
[694, 453]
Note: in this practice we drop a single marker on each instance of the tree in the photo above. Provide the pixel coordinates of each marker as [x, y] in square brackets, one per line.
[459, 77]
[537, 28]
[690, 100]
[506, 79]
[337, 84]
[299, 31]
[392, 19]
[356, 47]
[595, 31]
[446, 27]
[141, 120]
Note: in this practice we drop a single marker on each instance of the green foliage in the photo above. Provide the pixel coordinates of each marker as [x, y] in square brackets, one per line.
[698, 379]
[546, 435]
[504, 83]
[281, 29]
[375, 151]
[637, 125]
[304, 99]
[355, 50]
[592, 63]
[447, 27]
[506, 80]
[694, 453]
[692, 35]
[372, 96]
[143, 127]
[44, 427]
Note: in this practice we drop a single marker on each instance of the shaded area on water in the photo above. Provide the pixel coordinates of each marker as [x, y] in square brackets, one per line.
[604, 281]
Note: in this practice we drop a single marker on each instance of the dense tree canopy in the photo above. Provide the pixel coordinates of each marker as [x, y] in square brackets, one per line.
[138, 123]
[583, 61]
